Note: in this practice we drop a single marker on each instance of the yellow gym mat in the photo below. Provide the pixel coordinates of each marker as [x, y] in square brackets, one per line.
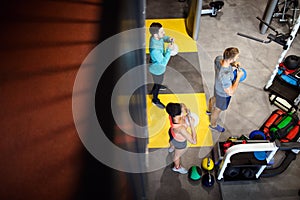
[174, 28]
[158, 120]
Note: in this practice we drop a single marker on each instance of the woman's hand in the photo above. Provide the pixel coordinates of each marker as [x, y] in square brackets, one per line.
[190, 118]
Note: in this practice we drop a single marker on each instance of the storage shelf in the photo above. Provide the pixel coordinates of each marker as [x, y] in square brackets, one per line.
[246, 159]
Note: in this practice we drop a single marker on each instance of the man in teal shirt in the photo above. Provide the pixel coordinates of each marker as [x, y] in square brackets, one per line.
[159, 58]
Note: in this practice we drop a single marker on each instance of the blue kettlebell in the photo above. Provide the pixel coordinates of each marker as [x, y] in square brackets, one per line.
[243, 77]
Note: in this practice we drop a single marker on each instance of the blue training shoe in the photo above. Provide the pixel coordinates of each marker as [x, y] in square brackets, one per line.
[217, 128]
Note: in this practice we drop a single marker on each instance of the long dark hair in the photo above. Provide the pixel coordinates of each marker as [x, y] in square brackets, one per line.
[173, 109]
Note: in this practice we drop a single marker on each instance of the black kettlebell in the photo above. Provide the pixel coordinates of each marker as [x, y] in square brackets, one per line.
[248, 173]
[208, 179]
[232, 172]
[292, 62]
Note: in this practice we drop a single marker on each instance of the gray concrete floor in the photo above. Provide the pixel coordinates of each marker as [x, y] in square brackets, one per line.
[249, 108]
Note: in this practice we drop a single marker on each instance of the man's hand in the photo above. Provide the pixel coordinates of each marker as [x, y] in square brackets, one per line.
[172, 40]
[240, 73]
[235, 64]
[170, 46]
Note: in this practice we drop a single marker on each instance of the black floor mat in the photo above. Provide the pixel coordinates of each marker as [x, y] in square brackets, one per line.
[161, 9]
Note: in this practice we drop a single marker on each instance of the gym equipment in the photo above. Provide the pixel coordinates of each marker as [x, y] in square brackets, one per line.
[284, 40]
[195, 117]
[250, 168]
[207, 164]
[291, 62]
[257, 135]
[289, 157]
[286, 11]
[281, 94]
[175, 50]
[213, 9]
[195, 12]
[248, 173]
[293, 79]
[275, 116]
[223, 146]
[208, 180]
[286, 45]
[282, 126]
[284, 95]
[260, 155]
[194, 173]
[282, 103]
[289, 70]
[285, 88]
[248, 159]
[243, 77]
[232, 172]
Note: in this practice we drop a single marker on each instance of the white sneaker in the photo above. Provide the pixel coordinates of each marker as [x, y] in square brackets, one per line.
[171, 149]
[180, 170]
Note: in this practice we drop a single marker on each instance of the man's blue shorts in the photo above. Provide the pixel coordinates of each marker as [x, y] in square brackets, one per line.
[222, 102]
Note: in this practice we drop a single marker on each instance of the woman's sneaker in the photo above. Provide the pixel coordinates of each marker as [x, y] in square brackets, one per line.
[171, 149]
[180, 170]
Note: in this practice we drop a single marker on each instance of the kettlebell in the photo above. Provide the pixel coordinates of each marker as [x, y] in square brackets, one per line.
[208, 179]
[207, 164]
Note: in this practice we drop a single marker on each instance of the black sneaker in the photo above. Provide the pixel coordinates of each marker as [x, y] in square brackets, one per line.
[159, 104]
[163, 87]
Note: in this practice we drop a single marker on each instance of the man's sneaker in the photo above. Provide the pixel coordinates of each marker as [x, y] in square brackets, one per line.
[171, 149]
[159, 104]
[208, 112]
[180, 170]
[162, 87]
[217, 128]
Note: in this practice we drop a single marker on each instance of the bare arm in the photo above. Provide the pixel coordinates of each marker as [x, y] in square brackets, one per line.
[191, 137]
[232, 89]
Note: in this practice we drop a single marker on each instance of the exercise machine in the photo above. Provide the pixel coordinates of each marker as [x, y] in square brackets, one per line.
[213, 9]
[286, 11]
[290, 95]
[195, 11]
[286, 41]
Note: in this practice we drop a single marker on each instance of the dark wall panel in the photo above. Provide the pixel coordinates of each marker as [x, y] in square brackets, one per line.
[43, 44]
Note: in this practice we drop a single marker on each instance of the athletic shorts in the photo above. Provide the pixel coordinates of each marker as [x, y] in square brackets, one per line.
[177, 144]
[222, 102]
